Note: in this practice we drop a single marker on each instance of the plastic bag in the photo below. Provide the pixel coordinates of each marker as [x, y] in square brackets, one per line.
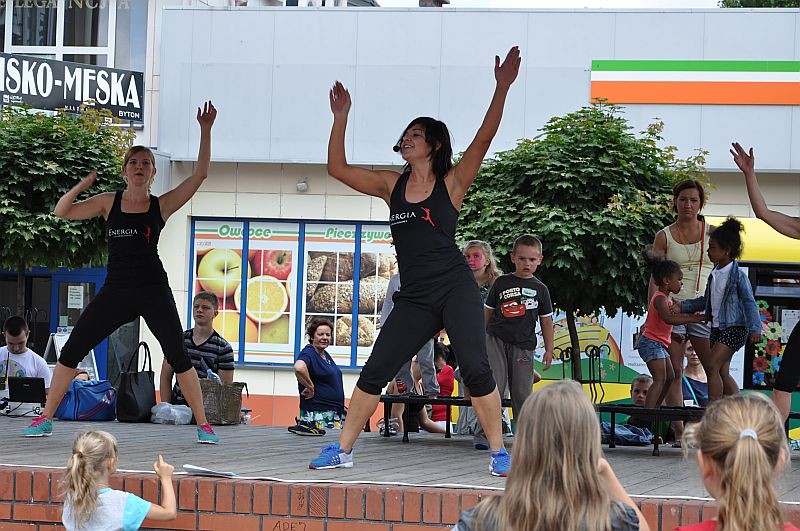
[166, 413]
[626, 434]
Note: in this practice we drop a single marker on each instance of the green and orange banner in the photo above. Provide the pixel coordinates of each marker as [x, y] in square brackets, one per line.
[697, 82]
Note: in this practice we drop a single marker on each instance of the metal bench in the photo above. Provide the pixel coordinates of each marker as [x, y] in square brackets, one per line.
[388, 400]
[658, 414]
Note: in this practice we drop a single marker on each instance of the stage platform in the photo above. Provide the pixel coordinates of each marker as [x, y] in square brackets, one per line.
[447, 471]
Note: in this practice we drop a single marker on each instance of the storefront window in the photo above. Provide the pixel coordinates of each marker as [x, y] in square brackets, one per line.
[294, 272]
[86, 24]
[130, 41]
[98, 60]
[34, 26]
[2, 27]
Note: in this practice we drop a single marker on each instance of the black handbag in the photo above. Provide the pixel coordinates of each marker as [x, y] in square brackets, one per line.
[137, 390]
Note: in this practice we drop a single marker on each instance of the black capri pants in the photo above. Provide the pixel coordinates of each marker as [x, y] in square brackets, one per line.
[419, 313]
[789, 373]
[112, 307]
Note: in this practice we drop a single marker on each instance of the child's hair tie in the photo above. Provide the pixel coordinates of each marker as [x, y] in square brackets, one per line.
[748, 432]
[79, 453]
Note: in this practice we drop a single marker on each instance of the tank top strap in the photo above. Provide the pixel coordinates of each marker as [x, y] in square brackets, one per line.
[155, 208]
[116, 207]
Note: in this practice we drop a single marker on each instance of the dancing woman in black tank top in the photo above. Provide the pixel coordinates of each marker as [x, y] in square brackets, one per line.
[136, 284]
[439, 290]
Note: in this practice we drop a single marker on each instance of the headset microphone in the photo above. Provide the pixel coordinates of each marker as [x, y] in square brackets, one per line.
[396, 147]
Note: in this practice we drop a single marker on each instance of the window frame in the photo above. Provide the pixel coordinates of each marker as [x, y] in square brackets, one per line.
[297, 304]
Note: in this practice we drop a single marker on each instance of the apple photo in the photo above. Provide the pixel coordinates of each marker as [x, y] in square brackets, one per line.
[220, 272]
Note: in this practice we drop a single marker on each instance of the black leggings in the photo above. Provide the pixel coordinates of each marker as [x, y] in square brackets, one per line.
[113, 307]
[789, 373]
[420, 314]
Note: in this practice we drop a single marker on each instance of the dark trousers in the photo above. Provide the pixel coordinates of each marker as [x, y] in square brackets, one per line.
[114, 306]
[419, 313]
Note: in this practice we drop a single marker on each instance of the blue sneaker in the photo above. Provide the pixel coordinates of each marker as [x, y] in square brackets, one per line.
[501, 462]
[40, 427]
[206, 435]
[332, 457]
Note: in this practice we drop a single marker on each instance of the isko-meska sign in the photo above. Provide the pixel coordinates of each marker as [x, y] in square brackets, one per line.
[48, 84]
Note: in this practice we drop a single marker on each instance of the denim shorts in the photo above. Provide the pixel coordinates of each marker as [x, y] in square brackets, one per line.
[693, 329]
[651, 350]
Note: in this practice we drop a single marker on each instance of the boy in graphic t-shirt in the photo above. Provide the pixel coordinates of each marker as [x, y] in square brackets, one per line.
[514, 304]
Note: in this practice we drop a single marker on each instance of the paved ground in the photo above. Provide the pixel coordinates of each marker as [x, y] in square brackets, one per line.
[272, 452]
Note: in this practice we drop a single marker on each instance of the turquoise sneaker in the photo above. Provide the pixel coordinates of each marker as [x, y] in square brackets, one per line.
[40, 427]
[206, 435]
[332, 457]
[501, 463]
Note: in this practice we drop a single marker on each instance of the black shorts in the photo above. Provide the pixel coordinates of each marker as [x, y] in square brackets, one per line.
[734, 337]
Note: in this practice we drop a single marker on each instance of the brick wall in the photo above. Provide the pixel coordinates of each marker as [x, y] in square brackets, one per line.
[29, 500]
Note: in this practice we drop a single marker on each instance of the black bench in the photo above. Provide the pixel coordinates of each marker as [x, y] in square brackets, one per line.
[388, 400]
[658, 413]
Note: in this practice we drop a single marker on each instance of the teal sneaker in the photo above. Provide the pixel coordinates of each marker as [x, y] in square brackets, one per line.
[501, 463]
[332, 457]
[206, 435]
[40, 427]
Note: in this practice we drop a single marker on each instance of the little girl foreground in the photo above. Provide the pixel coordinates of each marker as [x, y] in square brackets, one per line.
[89, 503]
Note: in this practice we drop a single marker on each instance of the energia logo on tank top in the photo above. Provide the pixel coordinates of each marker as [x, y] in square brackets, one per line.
[404, 217]
[129, 233]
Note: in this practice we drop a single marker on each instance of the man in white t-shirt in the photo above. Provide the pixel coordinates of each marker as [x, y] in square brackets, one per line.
[16, 359]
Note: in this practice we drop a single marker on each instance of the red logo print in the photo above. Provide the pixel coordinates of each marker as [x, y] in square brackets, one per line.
[427, 216]
[146, 233]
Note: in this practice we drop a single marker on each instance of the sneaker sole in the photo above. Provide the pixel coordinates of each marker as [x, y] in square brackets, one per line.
[498, 474]
[30, 436]
[301, 434]
[341, 465]
[207, 442]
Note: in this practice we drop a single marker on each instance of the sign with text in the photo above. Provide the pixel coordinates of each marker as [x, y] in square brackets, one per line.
[48, 84]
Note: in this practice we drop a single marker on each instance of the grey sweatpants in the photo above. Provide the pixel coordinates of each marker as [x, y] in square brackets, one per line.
[512, 368]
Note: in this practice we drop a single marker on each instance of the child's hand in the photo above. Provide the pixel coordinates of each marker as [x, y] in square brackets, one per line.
[548, 359]
[700, 318]
[163, 469]
[206, 115]
[755, 338]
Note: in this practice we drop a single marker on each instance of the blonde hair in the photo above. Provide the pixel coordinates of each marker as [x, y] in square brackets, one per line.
[85, 468]
[743, 436]
[555, 479]
[491, 268]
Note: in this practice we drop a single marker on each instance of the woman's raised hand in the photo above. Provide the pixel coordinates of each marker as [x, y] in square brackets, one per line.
[340, 100]
[87, 181]
[506, 73]
[206, 115]
[745, 160]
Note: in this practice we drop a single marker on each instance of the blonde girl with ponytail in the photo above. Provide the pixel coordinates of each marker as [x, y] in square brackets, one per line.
[89, 504]
[559, 479]
[741, 449]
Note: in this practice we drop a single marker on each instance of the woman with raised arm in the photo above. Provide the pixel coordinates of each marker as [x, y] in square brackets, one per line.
[439, 289]
[136, 284]
[789, 373]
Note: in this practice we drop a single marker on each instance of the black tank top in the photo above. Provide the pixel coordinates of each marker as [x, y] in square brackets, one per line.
[424, 235]
[133, 245]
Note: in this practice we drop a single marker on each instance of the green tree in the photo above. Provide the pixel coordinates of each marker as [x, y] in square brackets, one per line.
[42, 155]
[595, 194]
[759, 3]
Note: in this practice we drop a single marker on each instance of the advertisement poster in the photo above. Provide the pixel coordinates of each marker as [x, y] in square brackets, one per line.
[270, 292]
[217, 268]
[378, 264]
[328, 287]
